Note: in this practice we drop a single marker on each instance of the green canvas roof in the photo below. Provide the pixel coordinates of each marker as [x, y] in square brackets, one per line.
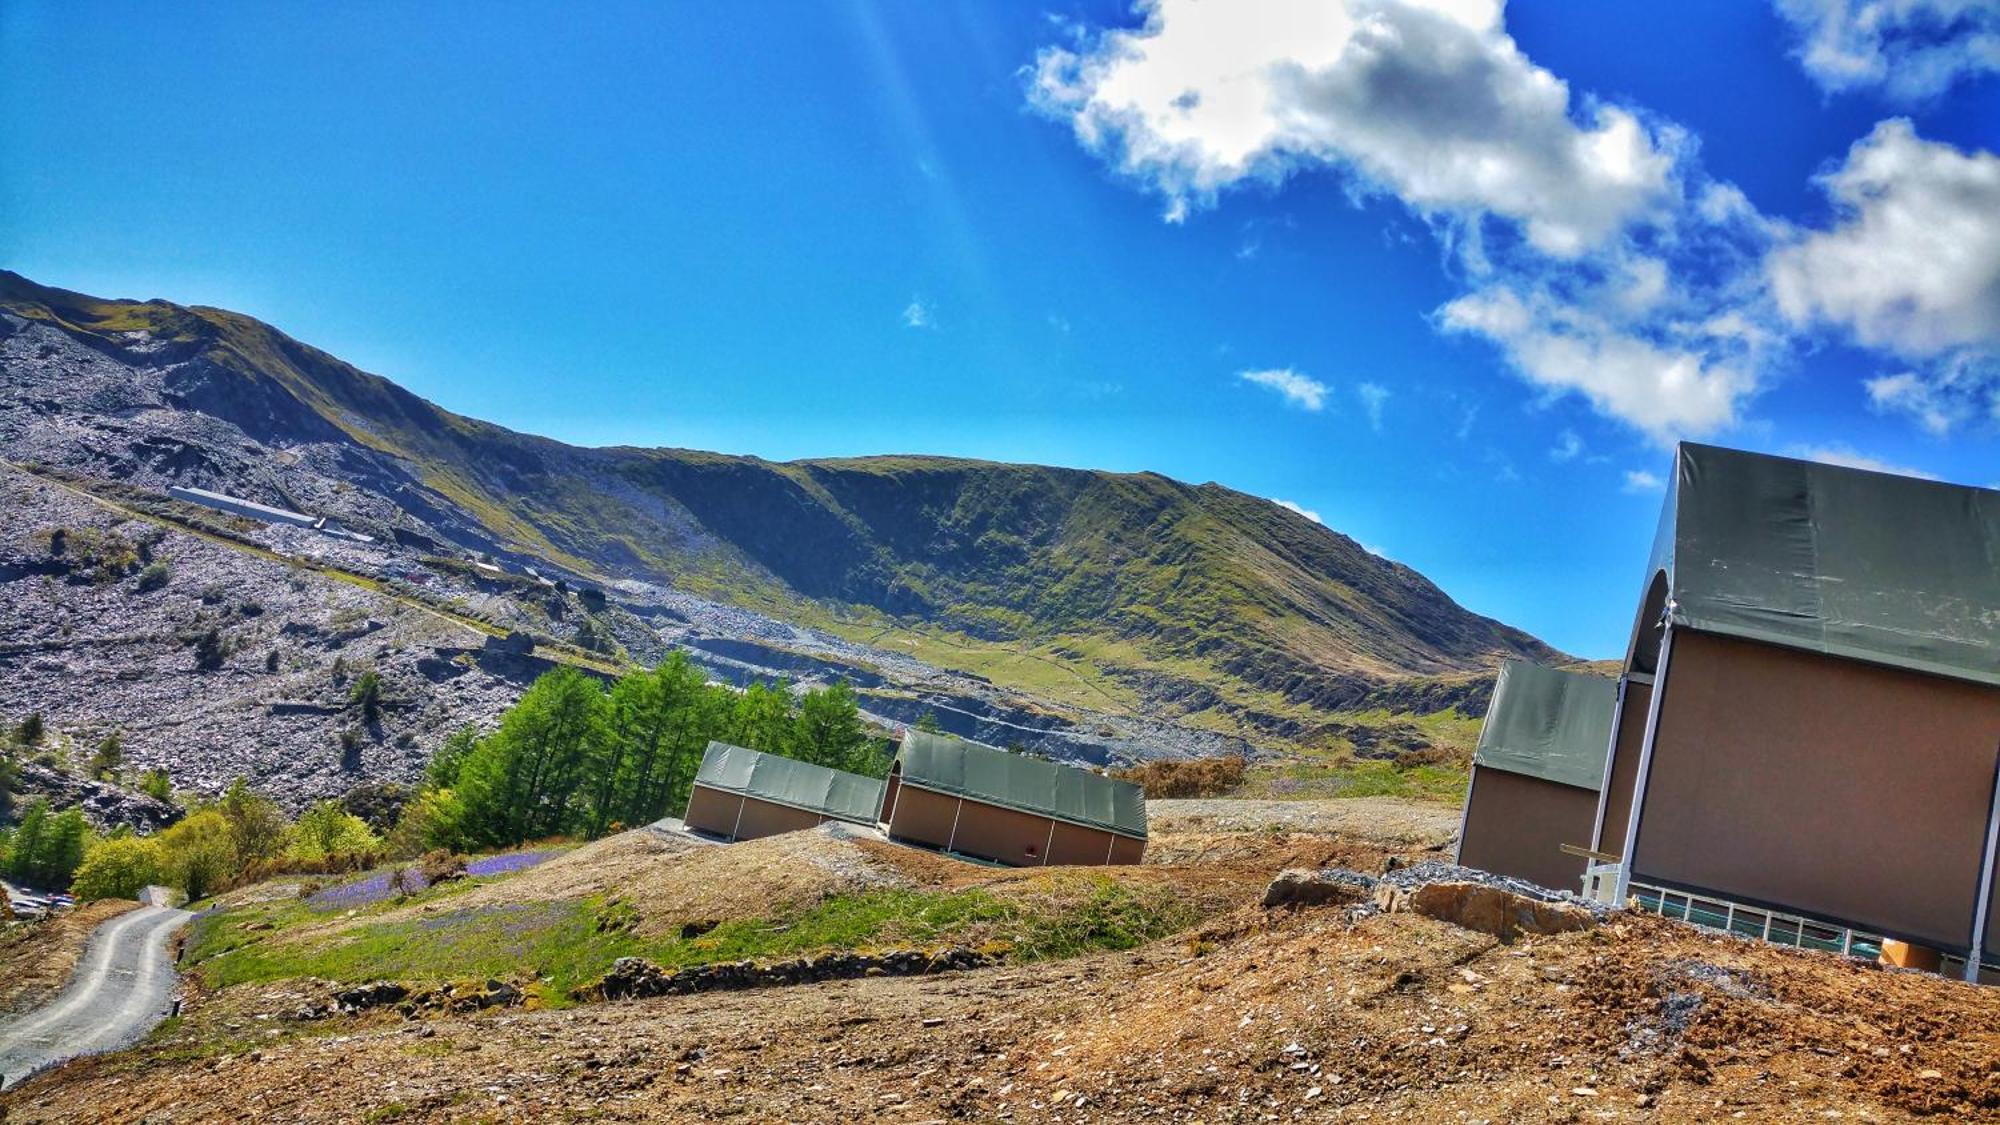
[1865, 565]
[788, 781]
[1016, 781]
[1548, 724]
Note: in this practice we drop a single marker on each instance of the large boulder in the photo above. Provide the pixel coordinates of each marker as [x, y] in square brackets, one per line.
[1490, 910]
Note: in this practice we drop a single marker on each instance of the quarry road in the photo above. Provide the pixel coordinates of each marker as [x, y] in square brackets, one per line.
[121, 989]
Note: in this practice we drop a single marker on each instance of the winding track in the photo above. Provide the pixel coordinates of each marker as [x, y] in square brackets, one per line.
[120, 990]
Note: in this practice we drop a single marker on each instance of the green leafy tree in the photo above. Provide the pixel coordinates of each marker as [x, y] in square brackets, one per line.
[157, 785]
[522, 781]
[367, 695]
[25, 849]
[763, 718]
[10, 783]
[658, 723]
[432, 819]
[326, 829]
[257, 826]
[68, 839]
[197, 855]
[928, 723]
[118, 868]
[450, 758]
[829, 731]
[110, 756]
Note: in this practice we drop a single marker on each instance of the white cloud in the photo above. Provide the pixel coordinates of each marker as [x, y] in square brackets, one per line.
[1913, 49]
[1301, 391]
[1543, 200]
[1911, 267]
[1300, 509]
[1374, 397]
[1953, 391]
[1429, 100]
[1639, 480]
[1568, 447]
[917, 314]
[1913, 264]
[1842, 454]
[1679, 381]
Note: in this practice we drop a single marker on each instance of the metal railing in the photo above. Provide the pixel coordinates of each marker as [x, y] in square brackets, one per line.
[1742, 920]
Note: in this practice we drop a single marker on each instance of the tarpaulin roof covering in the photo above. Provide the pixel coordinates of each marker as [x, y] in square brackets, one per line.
[1871, 566]
[1548, 724]
[788, 781]
[1016, 781]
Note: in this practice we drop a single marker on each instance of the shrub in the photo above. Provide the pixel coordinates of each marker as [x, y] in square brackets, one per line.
[1196, 777]
[31, 729]
[154, 577]
[350, 750]
[271, 661]
[110, 756]
[210, 650]
[198, 855]
[157, 785]
[327, 830]
[118, 868]
[367, 695]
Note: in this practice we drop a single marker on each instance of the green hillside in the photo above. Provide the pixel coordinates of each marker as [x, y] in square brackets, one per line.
[1129, 589]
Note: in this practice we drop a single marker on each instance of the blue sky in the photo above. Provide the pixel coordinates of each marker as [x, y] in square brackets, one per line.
[1451, 279]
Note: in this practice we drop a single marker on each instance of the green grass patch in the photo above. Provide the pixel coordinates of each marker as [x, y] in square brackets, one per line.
[570, 943]
[1319, 778]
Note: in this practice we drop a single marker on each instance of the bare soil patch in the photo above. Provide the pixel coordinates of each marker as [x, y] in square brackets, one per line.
[37, 958]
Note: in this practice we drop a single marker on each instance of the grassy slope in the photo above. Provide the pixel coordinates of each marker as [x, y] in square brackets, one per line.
[1096, 588]
[567, 943]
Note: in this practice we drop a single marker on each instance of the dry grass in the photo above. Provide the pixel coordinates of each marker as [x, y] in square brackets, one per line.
[1196, 777]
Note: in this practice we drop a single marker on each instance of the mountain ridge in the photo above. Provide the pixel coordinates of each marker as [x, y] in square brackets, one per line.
[1193, 596]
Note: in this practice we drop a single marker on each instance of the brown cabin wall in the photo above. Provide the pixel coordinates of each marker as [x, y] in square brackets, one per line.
[1617, 795]
[710, 810]
[1006, 835]
[743, 818]
[1515, 825]
[1834, 788]
[889, 788]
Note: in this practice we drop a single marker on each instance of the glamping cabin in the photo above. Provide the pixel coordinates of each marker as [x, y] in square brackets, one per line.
[1536, 774]
[975, 800]
[741, 794]
[1808, 726]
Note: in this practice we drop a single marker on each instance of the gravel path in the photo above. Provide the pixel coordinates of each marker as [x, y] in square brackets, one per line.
[119, 992]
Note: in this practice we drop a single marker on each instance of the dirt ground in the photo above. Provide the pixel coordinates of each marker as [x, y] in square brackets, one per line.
[1255, 1015]
[37, 958]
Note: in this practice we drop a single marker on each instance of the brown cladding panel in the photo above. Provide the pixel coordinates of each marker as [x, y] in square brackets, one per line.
[1073, 843]
[889, 788]
[1007, 835]
[923, 816]
[1617, 797]
[1833, 788]
[1004, 834]
[711, 810]
[1515, 825]
[762, 818]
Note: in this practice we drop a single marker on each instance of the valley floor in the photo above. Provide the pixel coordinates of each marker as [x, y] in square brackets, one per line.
[1246, 1014]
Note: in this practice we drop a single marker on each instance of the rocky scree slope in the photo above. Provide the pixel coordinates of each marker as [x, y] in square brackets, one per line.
[1194, 598]
[88, 640]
